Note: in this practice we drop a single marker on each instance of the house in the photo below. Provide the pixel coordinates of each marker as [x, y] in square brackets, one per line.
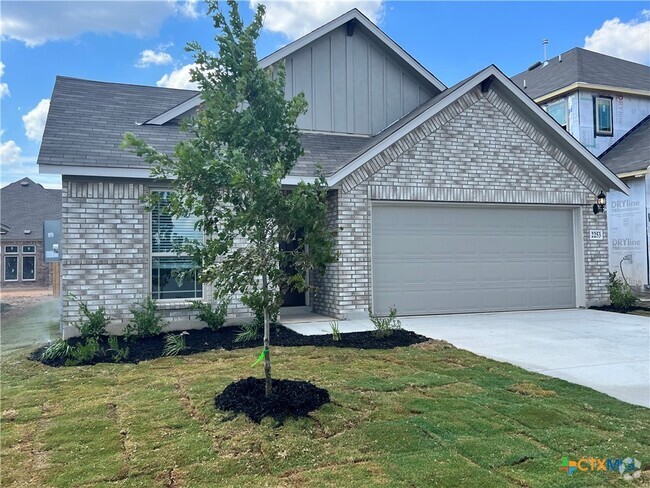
[600, 100]
[24, 205]
[462, 199]
[629, 215]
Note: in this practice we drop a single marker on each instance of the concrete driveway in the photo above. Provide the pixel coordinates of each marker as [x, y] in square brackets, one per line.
[608, 352]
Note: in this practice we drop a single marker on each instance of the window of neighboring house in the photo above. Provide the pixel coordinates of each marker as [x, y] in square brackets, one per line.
[11, 264]
[167, 233]
[29, 263]
[603, 116]
[558, 110]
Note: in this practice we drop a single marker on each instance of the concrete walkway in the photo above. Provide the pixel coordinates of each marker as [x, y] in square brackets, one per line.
[608, 352]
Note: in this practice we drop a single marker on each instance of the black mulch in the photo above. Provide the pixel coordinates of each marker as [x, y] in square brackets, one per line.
[288, 399]
[610, 308]
[206, 340]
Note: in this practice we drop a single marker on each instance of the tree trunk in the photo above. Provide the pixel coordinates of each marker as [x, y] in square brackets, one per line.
[267, 335]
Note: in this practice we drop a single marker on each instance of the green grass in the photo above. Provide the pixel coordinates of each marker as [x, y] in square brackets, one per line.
[406, 417]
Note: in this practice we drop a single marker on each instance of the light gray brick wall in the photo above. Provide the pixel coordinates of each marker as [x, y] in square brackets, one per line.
[106, 253]
[476, 150]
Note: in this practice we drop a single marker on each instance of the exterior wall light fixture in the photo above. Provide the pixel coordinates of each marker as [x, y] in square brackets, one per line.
[599, 206]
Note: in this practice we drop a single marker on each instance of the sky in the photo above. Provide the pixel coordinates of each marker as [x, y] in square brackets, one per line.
[143, 43]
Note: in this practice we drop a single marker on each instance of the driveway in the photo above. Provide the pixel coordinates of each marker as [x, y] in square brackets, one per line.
[608, 352]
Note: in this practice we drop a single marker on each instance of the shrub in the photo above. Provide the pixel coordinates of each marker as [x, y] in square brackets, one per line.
[84, 352]
[214, 317]
[147, 320]
[250, 331]
[119, 353]
[620, 293]
[174, 344]
[336, 333]
[91, 324]
[58, 349]
[384, 326]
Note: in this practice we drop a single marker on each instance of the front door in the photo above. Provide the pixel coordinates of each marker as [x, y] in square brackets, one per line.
[292, 298]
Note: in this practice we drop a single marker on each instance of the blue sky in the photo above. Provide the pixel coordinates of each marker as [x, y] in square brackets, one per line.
[142, 43]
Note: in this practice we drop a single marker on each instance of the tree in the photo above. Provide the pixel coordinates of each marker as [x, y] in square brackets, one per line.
[228, 174]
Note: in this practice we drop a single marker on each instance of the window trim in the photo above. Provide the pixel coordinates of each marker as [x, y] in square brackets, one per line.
[29, 252]
[7, 251]
[597, 131]
[153, 255]
[22, 266]
[4, 274]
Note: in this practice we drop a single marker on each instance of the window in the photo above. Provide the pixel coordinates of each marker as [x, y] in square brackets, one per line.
[603, 117]
[29, 249]
[11, 268]
[166, 234]
[558, 110]
[11, 249]
[29, 268]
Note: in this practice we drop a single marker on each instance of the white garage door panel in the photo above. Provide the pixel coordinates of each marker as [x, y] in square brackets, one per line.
[446, 259]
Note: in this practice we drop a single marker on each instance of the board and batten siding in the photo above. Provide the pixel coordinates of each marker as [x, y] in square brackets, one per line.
[352, 85]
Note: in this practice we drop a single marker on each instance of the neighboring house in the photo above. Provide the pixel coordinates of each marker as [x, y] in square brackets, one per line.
[629, 216]
[461, 199]
[599, 99]
[24, 205]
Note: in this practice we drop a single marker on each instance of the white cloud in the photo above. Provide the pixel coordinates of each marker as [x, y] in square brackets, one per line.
[188, 9]
[36, 23]
[179, 78]
[34, 120]
[627, 40]
[295, 18]
[4, 87]
[149, 57]
[9, 153]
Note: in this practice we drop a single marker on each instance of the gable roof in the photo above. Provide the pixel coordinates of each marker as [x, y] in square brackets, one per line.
[581, 68]
[517, 98]
[81, 139]
[631, 152]
[353, 16]
[25, 205]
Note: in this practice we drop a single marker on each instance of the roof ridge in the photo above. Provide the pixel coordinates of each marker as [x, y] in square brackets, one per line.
[140, 85]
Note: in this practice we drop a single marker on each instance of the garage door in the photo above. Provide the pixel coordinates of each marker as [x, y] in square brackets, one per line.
[429, 259]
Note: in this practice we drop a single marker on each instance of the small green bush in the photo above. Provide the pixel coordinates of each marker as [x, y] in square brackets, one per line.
[214, 317]
[119, 353]
[336, 333]
[174, 344]
[58, 349]
[91, 324]
[620, 293]
[84, 352]
[384, 326]
[250, 331]
[147, 320]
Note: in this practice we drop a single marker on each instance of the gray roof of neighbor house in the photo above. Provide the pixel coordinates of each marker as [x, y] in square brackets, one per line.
[24, 205]
[88, 119]
[582, 66]
[631, 152]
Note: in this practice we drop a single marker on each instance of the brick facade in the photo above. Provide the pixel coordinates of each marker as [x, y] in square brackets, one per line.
[43, 270]
[476, 150]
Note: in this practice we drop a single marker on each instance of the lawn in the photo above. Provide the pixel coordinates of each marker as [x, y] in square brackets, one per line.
[410, 416]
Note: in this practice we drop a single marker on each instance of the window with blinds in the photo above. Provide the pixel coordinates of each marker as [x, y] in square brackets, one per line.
[167, 234]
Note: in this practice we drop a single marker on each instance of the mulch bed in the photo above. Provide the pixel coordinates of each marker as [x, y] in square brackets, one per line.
[206, 340]
[610, 308]
[288, 399]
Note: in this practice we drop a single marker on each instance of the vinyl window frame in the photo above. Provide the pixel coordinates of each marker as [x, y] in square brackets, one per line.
[199, 291]
[598, 131]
